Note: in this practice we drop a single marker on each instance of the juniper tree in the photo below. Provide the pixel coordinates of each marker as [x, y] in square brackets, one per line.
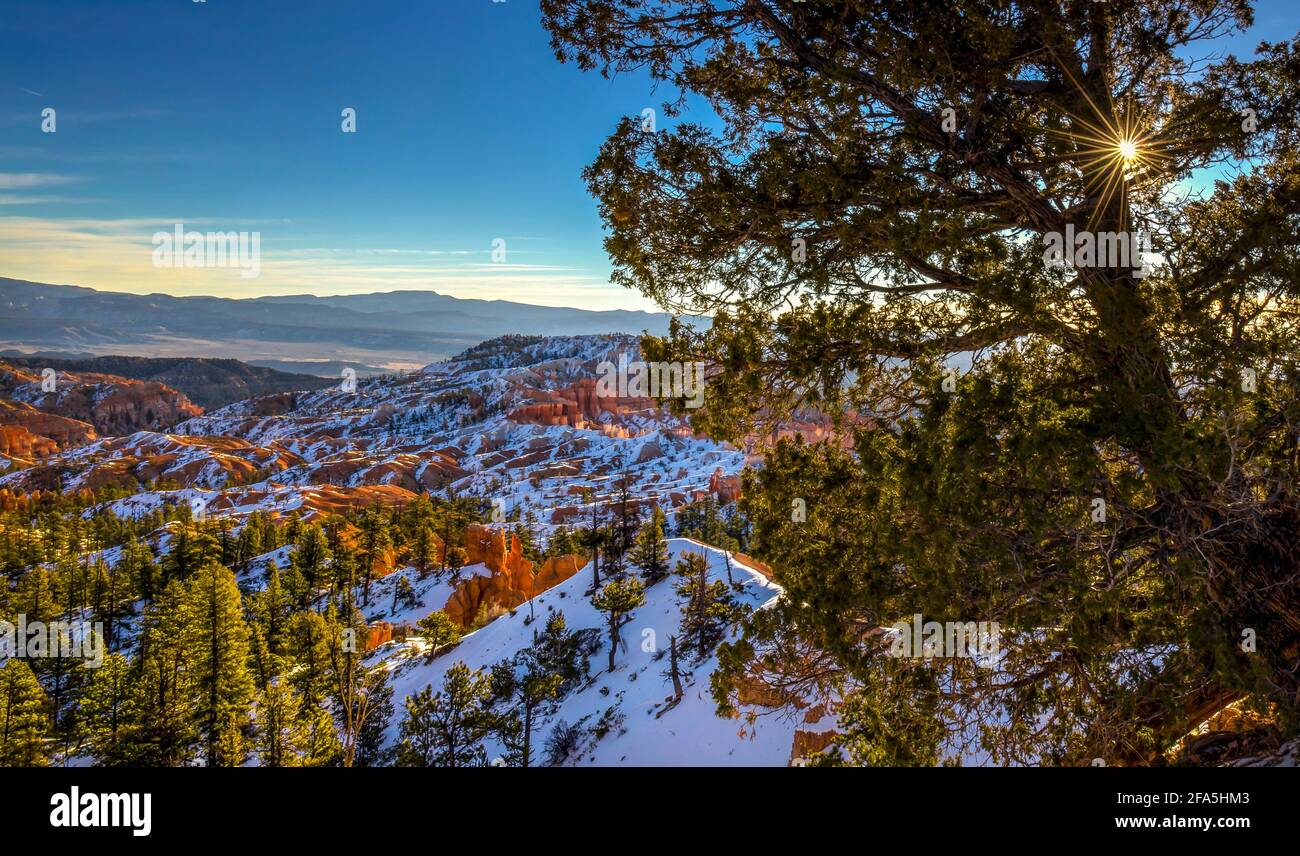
[1099, 455]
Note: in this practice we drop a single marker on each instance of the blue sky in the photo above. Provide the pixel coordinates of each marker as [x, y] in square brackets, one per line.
[225, 115]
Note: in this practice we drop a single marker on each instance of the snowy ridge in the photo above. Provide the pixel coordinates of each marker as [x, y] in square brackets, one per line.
[633, 700]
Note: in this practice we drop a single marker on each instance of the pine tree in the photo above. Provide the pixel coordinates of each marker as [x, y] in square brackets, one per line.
[272, 611]
[627, 516]
[283, 735]
[708, 608]
[524, 684]
[309, 561]
[371, 751]
[322, 747]
[650, 552]
[562, 543]
[36, 597]
[375, 542]
[223, 683]
[593, 537]
[617, 600]
[107, 708]
[560, 651]
[192, 546]
[425, 551]
[164, 732]
[447, 728]
[24, 722]
[358, 690]
[63, 678]
[439, 631]
[525, 530]
[403, 594]
[309, 647]
[454, 560]
[674, 671]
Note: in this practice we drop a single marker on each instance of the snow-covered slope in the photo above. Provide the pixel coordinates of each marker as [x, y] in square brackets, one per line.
[516, 419]
[633, 701]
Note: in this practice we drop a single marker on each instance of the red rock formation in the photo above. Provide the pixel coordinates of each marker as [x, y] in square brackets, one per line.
[27, 433]
[146, 459]
[725, 488]
[377, 634]
[576, 405]
[312, 502]
[114, 405]
[512, 581]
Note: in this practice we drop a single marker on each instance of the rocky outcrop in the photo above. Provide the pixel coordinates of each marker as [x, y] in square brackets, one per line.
[511, 580]
[576, 405]
[725, 488]
[114, 405]
[314, 502]
[29, 434]
[377, 633]
[127, 407]
[150, 458]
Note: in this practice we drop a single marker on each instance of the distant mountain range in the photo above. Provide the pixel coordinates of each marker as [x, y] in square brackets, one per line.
[209, 383]
[389, 330]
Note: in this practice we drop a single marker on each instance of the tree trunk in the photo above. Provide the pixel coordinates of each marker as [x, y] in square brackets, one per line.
[677, 679]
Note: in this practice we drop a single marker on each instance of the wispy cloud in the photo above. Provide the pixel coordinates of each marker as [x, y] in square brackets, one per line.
[15, 199]
[24, 180]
